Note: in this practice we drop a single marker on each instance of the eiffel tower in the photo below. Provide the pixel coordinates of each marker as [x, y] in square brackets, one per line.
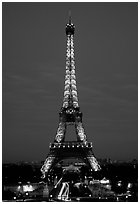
[70, 114]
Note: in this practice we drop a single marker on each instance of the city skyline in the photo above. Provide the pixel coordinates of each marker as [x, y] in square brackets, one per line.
[34, 51]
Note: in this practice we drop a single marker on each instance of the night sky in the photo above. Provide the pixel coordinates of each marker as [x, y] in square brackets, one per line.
[106, 54]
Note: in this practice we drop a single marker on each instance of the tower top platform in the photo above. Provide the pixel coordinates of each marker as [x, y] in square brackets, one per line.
[70, 28]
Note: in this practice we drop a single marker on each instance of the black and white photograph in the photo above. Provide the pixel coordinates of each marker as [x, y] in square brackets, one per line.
[69, 101]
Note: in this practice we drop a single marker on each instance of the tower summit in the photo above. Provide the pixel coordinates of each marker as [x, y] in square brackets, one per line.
[70, 28]
[70, 114]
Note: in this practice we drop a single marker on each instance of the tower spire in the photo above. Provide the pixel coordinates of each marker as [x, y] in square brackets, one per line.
[70, 21]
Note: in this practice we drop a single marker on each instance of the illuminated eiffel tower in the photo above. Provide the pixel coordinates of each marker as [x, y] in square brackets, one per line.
[70, 115]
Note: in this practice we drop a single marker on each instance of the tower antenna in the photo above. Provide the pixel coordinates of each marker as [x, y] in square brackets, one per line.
[70, 17]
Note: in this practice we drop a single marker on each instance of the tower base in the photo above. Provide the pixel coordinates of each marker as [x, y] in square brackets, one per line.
[65, 150]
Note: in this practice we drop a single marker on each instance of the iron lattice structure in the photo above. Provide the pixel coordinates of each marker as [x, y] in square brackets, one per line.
[70, 115]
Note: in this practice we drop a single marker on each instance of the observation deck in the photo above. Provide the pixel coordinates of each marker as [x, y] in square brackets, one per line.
[70, 28]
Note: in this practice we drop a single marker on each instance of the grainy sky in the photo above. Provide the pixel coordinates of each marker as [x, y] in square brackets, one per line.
[106, 54]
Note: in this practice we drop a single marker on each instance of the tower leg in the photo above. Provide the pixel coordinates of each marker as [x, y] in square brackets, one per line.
[80, 132]
[93, 163]
[47, 165]
[60, 134]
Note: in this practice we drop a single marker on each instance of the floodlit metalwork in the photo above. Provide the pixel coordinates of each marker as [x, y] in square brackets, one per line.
[60, 132]
[70, 115]
[70, 90]
[47, 165]
[81, 132]
[94, 163]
